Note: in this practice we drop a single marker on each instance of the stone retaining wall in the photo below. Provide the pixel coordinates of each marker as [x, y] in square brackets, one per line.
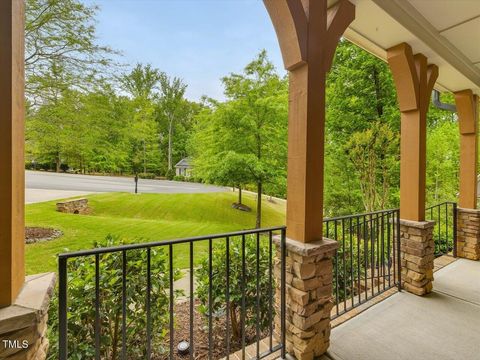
[468, 233]
[23, 325]
[309, 275]
[417, 254]
[77, 206]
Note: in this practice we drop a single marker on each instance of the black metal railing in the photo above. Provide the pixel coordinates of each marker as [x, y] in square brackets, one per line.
[247, 259]
[445, 230]
[367, 262]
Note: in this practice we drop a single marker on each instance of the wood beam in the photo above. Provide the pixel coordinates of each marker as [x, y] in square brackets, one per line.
[414, 80]
[308, 34]
[467, 110]
[12, 163]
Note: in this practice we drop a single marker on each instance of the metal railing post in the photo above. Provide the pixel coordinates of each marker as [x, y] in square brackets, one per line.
[62, 309]
[399, 262]
[455, 229]
[283, 293]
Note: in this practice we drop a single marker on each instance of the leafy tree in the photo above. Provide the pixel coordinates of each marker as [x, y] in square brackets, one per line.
[250, 127]
[374, 154]
[141, 82]
[173, 108]
[60, 34]
[360, 96]
[442, 162]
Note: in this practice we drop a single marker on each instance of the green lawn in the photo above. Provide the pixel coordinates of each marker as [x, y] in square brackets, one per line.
[142, 218]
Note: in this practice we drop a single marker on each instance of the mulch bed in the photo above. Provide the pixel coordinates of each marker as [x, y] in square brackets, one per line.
[38, 234]
[200, 334]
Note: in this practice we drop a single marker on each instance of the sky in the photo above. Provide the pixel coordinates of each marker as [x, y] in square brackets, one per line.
[199, 41]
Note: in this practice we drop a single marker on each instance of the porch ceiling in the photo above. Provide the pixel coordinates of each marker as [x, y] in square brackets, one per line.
[447, 32]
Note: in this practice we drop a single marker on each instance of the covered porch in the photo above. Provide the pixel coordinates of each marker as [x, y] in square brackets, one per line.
[440, 325]
[319, 269]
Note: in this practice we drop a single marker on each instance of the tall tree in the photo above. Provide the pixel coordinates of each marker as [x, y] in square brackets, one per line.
[248, 130]
[374, 153]
[173, 108]
[60, 34]
[142, 84]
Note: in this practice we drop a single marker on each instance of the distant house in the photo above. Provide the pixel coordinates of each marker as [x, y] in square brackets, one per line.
[184, 167]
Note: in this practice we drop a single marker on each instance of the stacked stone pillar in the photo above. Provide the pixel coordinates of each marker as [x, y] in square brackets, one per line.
[23, 325]
[468, 233]
[309, 275]
[417, 254]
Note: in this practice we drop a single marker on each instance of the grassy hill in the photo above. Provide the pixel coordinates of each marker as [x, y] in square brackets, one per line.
[142, 218]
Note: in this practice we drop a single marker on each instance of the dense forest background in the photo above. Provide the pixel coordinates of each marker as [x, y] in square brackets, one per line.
[86, 113]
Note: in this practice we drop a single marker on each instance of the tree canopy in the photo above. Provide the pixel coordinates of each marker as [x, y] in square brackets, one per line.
[82, 118]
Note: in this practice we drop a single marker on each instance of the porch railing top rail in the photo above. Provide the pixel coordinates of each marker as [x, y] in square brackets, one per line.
[111, 249]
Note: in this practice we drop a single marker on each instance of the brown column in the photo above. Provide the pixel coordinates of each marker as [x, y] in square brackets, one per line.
[12, 272]
[467, 110]
[414, 80]
[308, 34]
[468, 217]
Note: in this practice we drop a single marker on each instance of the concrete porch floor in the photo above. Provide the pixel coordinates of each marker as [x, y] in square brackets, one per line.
[441, 326]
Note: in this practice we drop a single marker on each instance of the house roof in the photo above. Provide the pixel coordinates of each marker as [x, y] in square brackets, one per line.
[185, 162]
[447, 32]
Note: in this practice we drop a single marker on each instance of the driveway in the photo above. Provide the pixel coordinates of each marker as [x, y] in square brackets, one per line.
[45, 186]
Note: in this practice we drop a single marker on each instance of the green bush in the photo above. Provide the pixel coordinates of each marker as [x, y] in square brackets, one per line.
[146, 176]
[81, 304]
[179, 178]
[170, 174]
[218, 279]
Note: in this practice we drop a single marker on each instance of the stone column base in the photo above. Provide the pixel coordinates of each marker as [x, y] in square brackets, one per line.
[468, 233]
[309, 275]
[23, 325]
[417, 254]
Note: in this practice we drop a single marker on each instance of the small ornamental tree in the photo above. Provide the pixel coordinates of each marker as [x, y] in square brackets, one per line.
[219, 276]
[81, 305]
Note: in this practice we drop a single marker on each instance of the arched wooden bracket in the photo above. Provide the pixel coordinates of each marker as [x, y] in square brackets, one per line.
[414, 78]
[307, 31]
[467, 104]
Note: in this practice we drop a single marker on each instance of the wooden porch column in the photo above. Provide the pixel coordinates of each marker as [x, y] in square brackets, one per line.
[308, 34]
[468, 216]
[414, 80]
[12, 183]
[467, 109]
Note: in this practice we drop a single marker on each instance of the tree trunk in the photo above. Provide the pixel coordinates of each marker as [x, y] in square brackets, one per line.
[378, 93]
[235, 324]
[259, 205]
[144, 157]
[239, 194]
[57, 163]
[170, 131]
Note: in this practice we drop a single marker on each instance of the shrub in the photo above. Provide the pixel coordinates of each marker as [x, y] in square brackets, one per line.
[170, 174]
[218, 279]
[81, 308]
[146, 176]
[179, 178]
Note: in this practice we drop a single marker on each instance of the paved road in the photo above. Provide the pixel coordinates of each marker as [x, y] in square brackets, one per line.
[65, 184]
